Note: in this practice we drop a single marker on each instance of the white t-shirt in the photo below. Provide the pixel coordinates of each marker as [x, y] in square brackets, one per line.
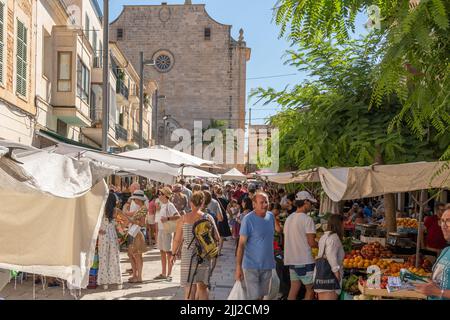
[167, 210]
[296, 248]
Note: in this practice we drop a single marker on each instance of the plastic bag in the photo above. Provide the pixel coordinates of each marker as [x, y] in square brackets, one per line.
[274, 286]
[238, 292]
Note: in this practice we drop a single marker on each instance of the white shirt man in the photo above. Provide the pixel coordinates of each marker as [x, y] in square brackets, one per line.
[300, 233]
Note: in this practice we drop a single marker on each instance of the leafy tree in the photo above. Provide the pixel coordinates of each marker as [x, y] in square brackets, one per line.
[326, 121]
[415, 63]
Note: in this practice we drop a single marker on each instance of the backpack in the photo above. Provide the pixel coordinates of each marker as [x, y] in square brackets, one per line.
[206, 247]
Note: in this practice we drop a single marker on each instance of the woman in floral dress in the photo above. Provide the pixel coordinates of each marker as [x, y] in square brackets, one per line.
[108, 247]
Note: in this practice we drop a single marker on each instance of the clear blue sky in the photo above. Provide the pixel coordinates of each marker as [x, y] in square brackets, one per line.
[261, 35]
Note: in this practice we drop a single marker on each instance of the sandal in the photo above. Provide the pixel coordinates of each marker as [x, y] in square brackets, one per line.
[135, 281]
[160, 277]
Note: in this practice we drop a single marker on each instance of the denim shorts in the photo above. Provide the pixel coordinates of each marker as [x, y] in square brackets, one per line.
[257, 283]
[303, 273]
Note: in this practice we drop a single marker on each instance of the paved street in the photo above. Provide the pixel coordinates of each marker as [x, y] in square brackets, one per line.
[221, 283]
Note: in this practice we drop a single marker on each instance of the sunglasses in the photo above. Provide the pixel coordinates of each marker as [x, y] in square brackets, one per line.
[444, 222]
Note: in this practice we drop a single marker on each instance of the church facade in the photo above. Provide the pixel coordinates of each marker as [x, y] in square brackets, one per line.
[199, 69]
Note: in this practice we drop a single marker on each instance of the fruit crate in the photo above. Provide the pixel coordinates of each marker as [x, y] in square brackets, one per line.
[404, 294]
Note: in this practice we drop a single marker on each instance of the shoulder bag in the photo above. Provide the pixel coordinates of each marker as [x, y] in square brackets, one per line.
[325, 279]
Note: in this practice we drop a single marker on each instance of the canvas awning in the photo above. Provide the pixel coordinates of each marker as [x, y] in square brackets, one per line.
[195, 172]
[167, 155]
[363, 182]
[154, 170]
[371, 181]
[301, 176]
[234, 174]
[52, 207]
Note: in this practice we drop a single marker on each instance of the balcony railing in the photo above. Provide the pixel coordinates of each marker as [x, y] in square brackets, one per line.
[122, 89]
[121, 133]
[98, 63]
[136, 139]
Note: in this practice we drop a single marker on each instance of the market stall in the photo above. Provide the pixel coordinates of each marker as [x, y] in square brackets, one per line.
[56, 235]
[233, 174]
[374, 251]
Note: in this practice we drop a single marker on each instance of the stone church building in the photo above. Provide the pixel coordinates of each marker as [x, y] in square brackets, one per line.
[200, 70]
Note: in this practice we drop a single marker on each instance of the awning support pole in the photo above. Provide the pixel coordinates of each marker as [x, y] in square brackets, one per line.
[419, 230]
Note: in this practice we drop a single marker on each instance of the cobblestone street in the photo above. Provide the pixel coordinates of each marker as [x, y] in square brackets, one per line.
[222, 281]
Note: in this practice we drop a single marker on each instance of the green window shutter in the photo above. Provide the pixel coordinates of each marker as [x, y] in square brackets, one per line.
[22, 59]
[88, 28]
[2, 40]
[94, 44]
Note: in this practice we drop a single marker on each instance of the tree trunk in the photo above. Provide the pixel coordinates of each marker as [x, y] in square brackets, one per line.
[390, 218]
[389, 201]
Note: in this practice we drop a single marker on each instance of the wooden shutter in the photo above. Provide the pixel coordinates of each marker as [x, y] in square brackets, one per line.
[22, 59]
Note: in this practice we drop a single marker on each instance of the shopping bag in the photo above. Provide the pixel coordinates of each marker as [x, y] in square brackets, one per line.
[170, 226]
[133, 230]
[274, 286]
[238, 292]
[324, 278]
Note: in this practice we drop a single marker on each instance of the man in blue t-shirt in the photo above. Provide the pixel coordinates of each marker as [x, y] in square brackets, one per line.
[255, 260]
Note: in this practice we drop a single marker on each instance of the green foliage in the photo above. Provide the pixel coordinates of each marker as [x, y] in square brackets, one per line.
[327, 121]
[414, 54]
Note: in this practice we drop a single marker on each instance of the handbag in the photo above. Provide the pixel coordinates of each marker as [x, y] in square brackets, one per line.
[325, 279]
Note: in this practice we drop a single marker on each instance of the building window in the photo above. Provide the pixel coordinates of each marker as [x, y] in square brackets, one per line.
[207, 33]
[88, 28]
[120, 34]
[64, 71]
[83, 81]
[61, 128]
[2, 41]
[163, 62]
[22, 47]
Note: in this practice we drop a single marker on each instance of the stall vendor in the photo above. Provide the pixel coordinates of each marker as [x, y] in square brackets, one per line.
[439, 286]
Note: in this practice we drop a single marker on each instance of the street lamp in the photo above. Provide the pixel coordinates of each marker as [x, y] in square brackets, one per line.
[141, 97]
[105, 102]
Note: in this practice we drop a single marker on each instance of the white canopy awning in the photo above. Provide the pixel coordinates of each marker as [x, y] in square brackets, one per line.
[195, 172]
[52, 208]
[234, 174]
[154, 170]
[167, 155]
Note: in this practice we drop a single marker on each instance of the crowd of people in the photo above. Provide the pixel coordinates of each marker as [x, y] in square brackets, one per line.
[272, 230]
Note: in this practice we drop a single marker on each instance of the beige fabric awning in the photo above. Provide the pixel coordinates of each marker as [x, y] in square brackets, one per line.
[363, 182]
[300, 176]
[51, 212]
